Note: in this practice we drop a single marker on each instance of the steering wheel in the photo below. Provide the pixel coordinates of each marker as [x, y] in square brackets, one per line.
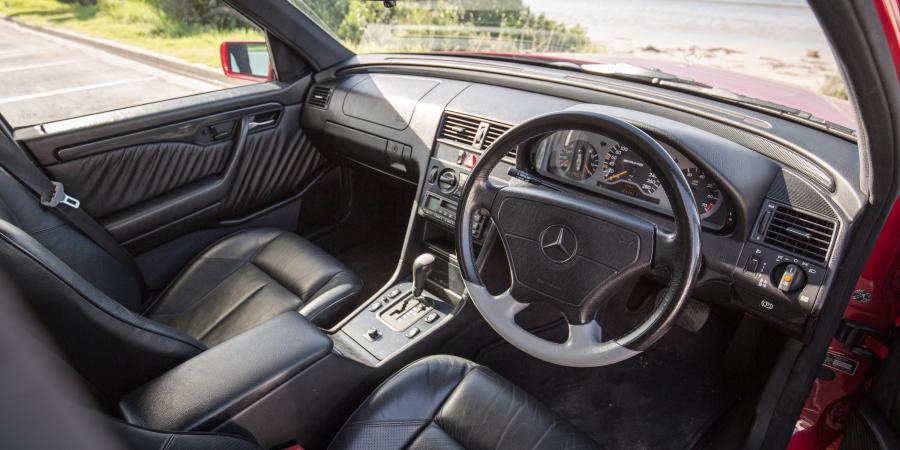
[568, 251]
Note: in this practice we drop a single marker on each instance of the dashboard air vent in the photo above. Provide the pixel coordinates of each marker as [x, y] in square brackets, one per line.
[800, 233]
[471, 131]
[319, 97]
[494, 131]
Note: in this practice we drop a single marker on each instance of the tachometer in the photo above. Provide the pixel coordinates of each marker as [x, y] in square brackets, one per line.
[578, 159]
[706, 191]
[621, 165]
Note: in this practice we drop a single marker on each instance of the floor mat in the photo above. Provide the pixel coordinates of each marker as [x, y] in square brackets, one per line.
[662, 399]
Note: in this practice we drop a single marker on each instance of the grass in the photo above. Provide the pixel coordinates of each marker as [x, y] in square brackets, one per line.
[833, 86]
[133, 22]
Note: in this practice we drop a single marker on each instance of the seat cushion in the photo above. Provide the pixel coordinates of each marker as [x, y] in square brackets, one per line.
[450, 403]
[250, 277]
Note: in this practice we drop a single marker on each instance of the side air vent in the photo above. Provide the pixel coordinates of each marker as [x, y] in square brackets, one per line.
[472, 131]
[800, 233]
[319, 97]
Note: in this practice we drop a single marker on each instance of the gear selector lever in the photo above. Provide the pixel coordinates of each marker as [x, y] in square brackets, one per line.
[421, 268]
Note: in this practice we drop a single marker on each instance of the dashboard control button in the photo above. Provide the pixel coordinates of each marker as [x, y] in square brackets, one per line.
[373, 334]
[448, 181]
[374, 306]
[470, 161]
[752, 264]
[461, 157]
[792, 278]
[432, 175]
[431, 317]
[394, 293]
[412, 332]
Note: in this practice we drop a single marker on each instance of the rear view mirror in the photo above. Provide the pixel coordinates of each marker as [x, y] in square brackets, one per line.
[246, 60]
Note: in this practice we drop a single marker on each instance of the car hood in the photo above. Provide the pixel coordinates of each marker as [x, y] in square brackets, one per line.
[831, 109]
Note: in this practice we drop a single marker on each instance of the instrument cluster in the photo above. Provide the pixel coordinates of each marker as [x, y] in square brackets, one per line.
[610, 167]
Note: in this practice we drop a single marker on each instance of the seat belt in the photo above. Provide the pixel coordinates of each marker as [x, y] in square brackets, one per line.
[52, 195]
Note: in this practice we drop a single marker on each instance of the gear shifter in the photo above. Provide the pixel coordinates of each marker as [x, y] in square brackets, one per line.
[420, 270]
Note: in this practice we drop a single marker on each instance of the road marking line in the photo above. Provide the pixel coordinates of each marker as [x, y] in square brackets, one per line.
[38, 66]
[88, 87]
[19, 51]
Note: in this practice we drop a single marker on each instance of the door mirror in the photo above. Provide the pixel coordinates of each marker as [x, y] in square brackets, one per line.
[246, 60]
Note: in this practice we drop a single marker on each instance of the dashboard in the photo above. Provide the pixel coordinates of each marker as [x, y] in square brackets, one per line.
[610, 167]
[775, 197]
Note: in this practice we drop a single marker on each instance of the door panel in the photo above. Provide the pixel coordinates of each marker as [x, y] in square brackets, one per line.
[115, 180]
[274, 165]
[150, 179]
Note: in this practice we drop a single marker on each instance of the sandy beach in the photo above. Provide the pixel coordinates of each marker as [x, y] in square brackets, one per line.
[774, 39]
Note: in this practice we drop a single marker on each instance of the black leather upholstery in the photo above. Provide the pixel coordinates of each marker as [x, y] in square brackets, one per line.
[112, 181]
[249, 278]
[206, 390]
[91, 304]
[137, 438]
[450, 403]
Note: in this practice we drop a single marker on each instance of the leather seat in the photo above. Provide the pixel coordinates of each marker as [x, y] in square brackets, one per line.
[249, 278]
[445, 402]
[94, 306]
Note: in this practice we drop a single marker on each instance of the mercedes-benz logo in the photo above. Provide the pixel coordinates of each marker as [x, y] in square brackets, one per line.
[559, 244]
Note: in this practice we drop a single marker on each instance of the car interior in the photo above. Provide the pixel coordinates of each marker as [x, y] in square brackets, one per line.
[445, 251]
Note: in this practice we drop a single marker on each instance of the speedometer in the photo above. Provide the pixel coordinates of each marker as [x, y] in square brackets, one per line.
[706, 191]
[621, 165]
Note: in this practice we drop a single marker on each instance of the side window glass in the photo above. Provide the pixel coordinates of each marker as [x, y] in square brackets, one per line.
[68, 58]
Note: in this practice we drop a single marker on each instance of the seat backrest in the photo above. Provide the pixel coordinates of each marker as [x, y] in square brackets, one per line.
[21, 208]
[84, 297]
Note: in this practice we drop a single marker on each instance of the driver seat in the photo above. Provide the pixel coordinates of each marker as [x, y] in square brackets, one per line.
[451, 403]
[439, 402]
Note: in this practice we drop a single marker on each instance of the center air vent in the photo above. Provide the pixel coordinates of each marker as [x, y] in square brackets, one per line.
[319, 97]
[472, 131]
[800, 233]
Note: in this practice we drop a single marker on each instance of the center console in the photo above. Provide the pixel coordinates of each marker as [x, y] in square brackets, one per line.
[399, 317]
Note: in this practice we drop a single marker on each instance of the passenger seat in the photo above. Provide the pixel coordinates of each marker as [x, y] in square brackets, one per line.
[94, 305]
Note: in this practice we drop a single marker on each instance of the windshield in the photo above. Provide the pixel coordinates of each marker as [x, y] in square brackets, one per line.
[767, 49]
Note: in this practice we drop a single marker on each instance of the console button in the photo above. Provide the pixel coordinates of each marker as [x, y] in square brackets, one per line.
[752, 264]
[373, 334]
[394, 293]
[412, 332]
[375, 305]
[430, 318]
[470, 161]
[432, 175]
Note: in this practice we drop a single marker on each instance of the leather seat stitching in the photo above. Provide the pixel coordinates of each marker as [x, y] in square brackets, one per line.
[435, 418]
[161, 299]
[509, 422]
[190, 265]
[231, 311]
[170, 439]
[546, 433]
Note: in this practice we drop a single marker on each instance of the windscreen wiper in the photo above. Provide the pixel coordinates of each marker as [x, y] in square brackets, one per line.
[631, 72]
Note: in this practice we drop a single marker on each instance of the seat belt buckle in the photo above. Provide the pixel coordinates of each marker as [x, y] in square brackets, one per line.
[60, 196]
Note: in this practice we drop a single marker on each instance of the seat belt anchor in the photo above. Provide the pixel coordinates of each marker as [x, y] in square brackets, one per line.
[60, 196]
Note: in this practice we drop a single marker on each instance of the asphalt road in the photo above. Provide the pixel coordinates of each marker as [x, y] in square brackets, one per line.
[44, 78]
